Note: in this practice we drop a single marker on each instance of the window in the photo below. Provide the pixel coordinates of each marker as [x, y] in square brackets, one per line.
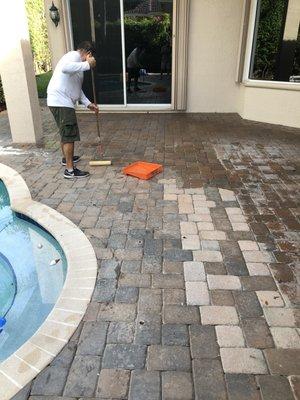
[276, 44]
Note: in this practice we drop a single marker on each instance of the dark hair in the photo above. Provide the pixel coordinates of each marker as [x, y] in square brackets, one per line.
[87, 46]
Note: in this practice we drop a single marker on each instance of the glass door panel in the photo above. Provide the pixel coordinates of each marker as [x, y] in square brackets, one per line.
[148, 49]
[108, 41]
[99, 21]
[141, 62]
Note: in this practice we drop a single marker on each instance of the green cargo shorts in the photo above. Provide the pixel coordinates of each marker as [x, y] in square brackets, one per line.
[65, 118]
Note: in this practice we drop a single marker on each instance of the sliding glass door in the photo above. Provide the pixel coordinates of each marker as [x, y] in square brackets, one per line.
[133, 40]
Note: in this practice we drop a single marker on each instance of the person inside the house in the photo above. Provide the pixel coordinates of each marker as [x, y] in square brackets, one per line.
[63, 92]
[166, 53]
[134, 64]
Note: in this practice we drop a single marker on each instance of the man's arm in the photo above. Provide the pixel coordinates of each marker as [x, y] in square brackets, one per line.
[73, 67]
[84, 100]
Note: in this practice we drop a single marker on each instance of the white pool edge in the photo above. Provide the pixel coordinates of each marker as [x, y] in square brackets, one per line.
[35, 354]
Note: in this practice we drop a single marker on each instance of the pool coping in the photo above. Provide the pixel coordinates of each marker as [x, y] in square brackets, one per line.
[35, 354]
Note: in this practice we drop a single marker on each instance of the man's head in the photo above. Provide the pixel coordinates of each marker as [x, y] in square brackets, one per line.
[86, 48]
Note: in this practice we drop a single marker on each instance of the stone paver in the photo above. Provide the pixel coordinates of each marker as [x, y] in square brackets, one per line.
[230, 336]
[286, 338]
[113, 383]
[242, 387]
[243, 361]
[177, 386]
[229, 186]
[218, 315]
[197, 293]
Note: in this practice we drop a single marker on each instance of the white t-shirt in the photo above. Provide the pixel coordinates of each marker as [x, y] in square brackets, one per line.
[65, 86]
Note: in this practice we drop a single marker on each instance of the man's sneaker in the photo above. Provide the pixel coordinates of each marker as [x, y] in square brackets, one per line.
[75, 160]
[76, 173]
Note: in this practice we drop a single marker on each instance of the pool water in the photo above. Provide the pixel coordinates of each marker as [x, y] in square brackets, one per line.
[29, 283]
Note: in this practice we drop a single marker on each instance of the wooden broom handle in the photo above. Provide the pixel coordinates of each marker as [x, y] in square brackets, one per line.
[95, 100]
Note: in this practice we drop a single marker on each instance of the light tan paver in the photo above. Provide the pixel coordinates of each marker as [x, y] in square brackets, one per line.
[194, 271]
[224, 282]
[279, 316]
[197, 293]
[243, 361]
[207, 255]
[258, 269]
[219, 315]
[269, 298]
[286, 338]
[230, 336]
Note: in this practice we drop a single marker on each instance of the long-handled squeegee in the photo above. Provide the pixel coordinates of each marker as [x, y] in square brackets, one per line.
[95, 163]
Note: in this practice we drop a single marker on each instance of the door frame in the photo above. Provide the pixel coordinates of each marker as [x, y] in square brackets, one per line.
[179, 69]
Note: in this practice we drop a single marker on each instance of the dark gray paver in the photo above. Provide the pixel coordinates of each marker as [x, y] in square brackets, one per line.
[283, 361]
[168, 358]
[146, 384]
[113, 383]
[257, 333]
[105, 290]
[128, 356]
[209, 383]
[175, 314]
[203, 342]
[167, 281]
[222, 298]
[147, 332]
[258, 283]
[247, 304]
[178, 255]
[92, 339]
[177, 386]
[120, 332]
[127, 294]
[275, 388]
[242, 387]
[175, 334]
[83, 376]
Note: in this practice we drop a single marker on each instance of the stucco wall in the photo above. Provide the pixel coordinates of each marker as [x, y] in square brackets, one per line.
[271, 105]
[214, 34]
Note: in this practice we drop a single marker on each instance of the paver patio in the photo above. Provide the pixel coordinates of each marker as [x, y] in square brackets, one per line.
[196, 296]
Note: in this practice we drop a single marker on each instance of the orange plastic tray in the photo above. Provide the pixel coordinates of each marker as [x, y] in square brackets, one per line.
[143, 170]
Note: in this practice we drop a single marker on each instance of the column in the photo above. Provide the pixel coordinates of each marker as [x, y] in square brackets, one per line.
[17, 74]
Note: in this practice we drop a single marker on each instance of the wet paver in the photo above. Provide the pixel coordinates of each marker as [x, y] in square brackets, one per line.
[196, 295]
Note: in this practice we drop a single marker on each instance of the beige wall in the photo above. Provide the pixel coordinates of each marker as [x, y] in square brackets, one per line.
[214, 35]
[271, 105]
[56, 35]
[213, 56]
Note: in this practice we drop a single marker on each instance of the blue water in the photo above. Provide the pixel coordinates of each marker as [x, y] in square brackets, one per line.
[29, 285]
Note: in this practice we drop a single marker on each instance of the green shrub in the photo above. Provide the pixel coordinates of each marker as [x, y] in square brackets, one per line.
[42, 81]
[38, 35]
[2, 99]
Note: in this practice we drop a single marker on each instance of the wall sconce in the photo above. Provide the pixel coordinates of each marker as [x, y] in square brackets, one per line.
[54, 14]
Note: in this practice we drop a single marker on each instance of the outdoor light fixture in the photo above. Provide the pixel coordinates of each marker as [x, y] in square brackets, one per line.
[54, 14]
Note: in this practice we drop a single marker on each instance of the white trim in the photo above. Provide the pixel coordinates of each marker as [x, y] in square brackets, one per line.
[123, 52]
[272, 84]
[250, 40]
[69, 31]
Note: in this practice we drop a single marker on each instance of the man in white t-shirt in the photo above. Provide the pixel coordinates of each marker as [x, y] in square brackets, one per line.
[64, 90]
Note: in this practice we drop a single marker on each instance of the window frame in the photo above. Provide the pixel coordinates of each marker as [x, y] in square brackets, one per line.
[247, 81]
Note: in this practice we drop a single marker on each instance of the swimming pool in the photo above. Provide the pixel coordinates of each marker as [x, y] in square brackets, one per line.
[32, 274]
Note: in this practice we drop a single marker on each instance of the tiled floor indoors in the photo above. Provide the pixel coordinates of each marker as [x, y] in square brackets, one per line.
[197, 295]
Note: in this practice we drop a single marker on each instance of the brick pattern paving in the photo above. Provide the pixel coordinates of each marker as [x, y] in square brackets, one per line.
[196, 291]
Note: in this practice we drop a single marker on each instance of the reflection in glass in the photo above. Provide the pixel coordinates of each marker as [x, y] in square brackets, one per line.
[148, 47]
[276, 44]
